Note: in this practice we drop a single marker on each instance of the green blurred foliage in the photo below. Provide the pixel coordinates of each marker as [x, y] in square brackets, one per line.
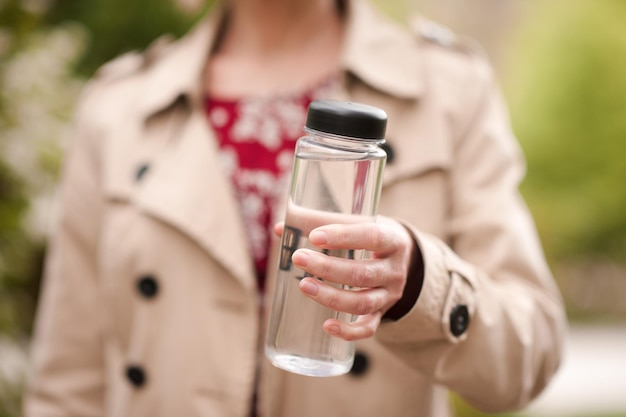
[19, 257]
[118, 26]
[568, 98]
[10, 398]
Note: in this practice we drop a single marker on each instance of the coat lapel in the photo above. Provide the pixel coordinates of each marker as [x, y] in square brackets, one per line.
[188, 189]
[186, 186]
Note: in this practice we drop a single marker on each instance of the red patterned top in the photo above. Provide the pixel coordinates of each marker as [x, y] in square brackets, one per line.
[257, 138]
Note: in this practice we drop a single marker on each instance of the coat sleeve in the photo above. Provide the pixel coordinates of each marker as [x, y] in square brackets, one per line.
[489, 322]
[67, 361]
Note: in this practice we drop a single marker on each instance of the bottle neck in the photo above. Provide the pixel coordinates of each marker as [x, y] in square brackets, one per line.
[343, 142]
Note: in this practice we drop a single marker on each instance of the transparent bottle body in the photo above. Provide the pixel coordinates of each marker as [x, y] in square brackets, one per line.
[334, 180]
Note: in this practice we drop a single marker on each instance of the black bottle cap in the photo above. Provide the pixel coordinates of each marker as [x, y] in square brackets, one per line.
[345, 118]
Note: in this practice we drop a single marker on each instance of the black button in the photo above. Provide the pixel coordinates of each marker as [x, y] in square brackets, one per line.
[389, 151]
[136, 376]
[459, 320]
[141, 171]
[148, 286]
[360, 365]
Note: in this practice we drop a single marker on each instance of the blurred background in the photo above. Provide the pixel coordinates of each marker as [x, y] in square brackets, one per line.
[561, 65]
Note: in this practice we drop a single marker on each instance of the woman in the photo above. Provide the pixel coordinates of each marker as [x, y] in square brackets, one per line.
[151, 295]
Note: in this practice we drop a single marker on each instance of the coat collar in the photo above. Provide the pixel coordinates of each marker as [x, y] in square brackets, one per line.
[178, 70]
[376, 51]
[380, 53]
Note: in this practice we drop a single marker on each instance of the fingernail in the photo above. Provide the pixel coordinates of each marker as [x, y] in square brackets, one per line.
[333, 329]
[309, 287]
[300, 258]
[318, 237]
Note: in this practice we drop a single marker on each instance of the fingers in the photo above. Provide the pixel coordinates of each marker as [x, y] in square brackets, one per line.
[365, 303]
[380, 279]
[358, 302]
[364, 327]
[361, 273]
[278, 229]
[382, 237]
[383, 273]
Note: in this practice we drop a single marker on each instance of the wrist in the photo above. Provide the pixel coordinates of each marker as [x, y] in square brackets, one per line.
[412, 288]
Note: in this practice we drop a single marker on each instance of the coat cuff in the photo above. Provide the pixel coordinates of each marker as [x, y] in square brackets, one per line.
[446, 304]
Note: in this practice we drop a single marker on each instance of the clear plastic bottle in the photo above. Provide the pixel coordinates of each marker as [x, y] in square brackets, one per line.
[337, 176]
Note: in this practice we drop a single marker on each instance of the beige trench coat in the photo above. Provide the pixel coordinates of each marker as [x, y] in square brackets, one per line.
[150, 306]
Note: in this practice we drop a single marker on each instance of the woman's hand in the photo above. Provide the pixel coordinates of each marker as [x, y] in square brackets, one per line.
[381, 279]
